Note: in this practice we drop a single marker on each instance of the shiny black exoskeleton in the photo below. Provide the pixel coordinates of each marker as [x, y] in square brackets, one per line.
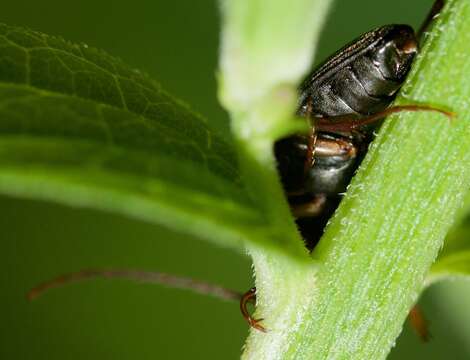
[359, 80]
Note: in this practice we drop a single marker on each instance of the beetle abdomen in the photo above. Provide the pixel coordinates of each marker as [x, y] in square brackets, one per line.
[363, 77]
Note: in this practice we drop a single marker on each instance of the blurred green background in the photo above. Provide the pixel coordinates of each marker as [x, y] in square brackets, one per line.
[176, 43]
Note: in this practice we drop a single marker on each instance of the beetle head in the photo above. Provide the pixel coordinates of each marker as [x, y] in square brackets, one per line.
[396, 51]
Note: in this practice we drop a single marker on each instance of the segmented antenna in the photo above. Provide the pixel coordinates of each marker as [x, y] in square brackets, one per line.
[351, 122]
[173, 281]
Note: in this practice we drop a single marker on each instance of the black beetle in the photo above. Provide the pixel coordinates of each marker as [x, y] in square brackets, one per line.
[343, 98]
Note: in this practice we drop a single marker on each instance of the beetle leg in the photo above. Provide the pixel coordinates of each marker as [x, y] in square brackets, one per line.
[311, 208]
[348, 123]
[250, 297]
[311, 201]
[326, 147]
[418, 323]
[435, 10]
[310, 158]
[312, 138]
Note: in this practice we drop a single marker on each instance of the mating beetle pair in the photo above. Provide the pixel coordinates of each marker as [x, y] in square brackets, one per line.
[343, 98]
[340, 98]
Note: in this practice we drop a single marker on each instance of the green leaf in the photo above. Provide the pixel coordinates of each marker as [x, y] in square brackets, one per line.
[454, 259]
[451, 266]
[79, 127]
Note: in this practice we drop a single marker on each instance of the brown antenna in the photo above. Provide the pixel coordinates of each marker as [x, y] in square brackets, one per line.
[152, 277]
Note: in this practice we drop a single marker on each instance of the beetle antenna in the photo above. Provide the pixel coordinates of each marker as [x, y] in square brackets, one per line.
[349, 122]
[173, 281]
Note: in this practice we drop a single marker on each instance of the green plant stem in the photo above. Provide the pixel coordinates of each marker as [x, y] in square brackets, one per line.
[378, 248]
